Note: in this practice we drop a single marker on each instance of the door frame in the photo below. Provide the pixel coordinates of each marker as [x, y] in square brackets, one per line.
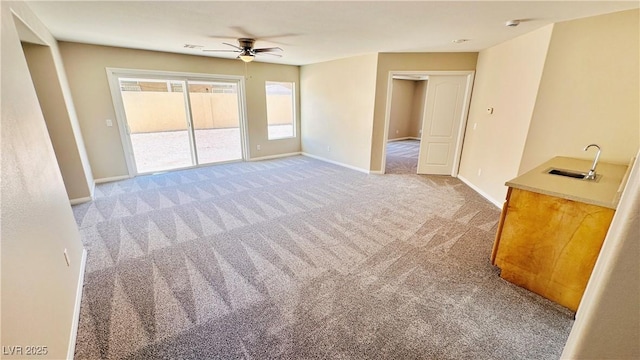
[113, 75]
[465, 111]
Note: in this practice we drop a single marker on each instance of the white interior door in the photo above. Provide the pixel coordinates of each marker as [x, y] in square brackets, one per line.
[445, 108]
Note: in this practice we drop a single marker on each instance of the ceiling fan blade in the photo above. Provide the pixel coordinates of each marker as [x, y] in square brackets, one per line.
[265, 50]
[216, 50]
[266, 53]
[235, 46]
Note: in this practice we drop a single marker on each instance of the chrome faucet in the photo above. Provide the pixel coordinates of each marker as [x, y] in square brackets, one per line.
[592, 173]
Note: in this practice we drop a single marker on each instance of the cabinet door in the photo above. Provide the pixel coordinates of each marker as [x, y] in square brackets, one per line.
[549, 245]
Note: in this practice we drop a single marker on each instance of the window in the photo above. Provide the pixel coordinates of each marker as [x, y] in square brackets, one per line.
[280, 110]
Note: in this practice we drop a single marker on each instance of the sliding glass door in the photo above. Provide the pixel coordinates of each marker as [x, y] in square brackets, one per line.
[158, 124]
[171, 122]
[216, 121]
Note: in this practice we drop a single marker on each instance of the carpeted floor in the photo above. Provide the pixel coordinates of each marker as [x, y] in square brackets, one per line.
[402, 157]
[299, 259]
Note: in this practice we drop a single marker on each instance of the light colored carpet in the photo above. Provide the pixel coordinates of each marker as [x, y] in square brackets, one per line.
[299, 259]
[402, 157]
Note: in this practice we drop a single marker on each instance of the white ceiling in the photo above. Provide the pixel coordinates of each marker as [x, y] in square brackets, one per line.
[308, 31]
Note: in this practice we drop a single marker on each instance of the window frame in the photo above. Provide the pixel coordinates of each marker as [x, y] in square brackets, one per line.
[294, 132]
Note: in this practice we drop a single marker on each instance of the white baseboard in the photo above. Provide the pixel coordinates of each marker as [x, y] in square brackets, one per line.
[404, 138]
[376, 172]
[81, 200]
[495, 202]
[92, 191]
[336, 163]
[76, 311]
[269, 157]
[113, 178]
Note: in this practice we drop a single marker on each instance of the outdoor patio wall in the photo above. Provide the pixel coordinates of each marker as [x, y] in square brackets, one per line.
[408, 62]
[162, 111]
[85, 66]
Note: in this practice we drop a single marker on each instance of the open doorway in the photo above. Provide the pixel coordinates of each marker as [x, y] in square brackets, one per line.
[62, 125]
[408, 95]
[440, 111]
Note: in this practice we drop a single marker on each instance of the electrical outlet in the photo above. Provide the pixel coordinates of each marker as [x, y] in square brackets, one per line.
[258, 147]
[475, 125]
[109, 122]
[490, 110]
[397, 132]
[479, 172]
[328, 148]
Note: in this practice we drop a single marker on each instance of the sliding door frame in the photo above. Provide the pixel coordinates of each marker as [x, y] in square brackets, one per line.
[114, 75]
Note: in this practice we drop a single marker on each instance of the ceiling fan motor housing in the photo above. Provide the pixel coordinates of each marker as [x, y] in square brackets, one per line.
[246, 43]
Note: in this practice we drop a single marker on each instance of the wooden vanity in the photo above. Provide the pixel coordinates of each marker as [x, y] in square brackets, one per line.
[552, 228]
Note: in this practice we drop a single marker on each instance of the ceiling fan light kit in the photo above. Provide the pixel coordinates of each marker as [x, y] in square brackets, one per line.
[246, 51]
[512, 23]
[246, 56]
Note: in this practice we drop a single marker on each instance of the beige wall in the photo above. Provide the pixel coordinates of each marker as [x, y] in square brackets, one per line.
[68, 148]
[337, 109]
[407, 105]
[608, 321]
[589, 91]
[38, 288]
[86, 65]
[401, 108]
[407, 62]
[507, 79]
[417, 110]
[51, 85]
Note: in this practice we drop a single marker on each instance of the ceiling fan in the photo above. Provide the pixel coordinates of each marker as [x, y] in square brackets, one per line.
[246, 51]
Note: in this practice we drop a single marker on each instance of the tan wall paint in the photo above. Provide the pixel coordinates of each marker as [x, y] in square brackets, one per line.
[401, 108]
[590, 91]
[507, 79]
[408, 62]
[86, 65]
[51, 99]
[58, 107]
[608, 321]
[417, 111]
[337, 109]
[38, 289]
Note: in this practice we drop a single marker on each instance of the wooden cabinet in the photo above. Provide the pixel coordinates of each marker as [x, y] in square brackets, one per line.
[549, 245]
